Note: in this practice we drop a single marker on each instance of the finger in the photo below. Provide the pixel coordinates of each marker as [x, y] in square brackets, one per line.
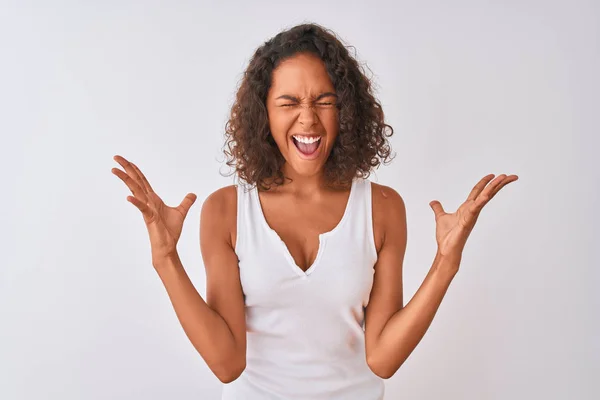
[128, 167]
[479, 202]
[143, 179]
[477, 189]
[491, 190]
[487, 191]
[143, 207]
[486, 195]
[135, 188]
[506, 181]
[437, 208]
[186, 203]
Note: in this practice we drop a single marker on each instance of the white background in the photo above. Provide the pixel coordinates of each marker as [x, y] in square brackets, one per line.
[470, 87]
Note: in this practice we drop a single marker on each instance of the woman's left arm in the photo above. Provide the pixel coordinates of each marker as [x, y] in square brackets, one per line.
[392, 331]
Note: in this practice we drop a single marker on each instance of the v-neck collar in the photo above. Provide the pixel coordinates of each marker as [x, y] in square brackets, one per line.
[322, 236]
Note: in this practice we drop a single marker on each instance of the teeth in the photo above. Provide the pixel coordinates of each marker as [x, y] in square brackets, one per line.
[306, 139]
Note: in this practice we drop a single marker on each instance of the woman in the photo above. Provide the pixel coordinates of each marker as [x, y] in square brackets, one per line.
[304, 256]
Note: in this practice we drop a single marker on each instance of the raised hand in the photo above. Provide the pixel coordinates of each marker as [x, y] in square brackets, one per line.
[164, 223]
[453, 230]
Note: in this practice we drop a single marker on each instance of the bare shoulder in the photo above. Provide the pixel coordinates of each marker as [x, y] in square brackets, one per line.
[385, 194]
[387, 202]
[221, 201]
[219, 212]
[389, 212]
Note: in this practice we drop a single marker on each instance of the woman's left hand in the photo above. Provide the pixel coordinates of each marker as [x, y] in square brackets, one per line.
[452, 230]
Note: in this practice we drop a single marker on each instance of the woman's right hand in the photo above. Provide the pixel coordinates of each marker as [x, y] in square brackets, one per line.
[164, 223]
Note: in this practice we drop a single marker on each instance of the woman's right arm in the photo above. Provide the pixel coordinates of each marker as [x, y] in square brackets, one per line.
[217, 327]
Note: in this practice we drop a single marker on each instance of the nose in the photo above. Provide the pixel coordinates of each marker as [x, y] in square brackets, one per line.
[308, 116]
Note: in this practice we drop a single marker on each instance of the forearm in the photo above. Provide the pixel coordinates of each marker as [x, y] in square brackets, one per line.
[405, 329]
[206, 329]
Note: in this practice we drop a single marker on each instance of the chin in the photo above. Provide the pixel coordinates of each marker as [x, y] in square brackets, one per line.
[306, 171]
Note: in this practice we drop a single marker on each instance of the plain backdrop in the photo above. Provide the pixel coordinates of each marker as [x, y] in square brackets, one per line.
[470, 87]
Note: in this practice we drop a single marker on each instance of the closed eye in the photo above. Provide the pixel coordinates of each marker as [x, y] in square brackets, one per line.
[326, 104]
[320, 104]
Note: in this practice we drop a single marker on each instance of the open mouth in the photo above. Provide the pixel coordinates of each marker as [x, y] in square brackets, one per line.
[307, 145]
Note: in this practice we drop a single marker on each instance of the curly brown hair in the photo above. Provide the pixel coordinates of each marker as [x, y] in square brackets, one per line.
[361, 144]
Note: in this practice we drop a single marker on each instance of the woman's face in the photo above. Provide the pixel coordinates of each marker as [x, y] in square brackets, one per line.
[303, 116]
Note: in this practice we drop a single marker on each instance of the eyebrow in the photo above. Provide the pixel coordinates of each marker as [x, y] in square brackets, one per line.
[319, 97]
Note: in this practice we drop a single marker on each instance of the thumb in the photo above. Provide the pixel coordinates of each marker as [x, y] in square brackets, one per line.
[186, 203]
[437, 208]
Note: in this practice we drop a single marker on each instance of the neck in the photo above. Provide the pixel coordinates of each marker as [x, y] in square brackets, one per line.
[303, 184]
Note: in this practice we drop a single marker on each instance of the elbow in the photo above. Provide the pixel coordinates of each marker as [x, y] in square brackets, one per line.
[383, 374]
[228, 377]
[381, 369]
[229, 373]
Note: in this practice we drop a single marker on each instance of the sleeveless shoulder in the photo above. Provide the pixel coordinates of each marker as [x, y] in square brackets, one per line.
[388, 207]
[222, 201]
[222, 205]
